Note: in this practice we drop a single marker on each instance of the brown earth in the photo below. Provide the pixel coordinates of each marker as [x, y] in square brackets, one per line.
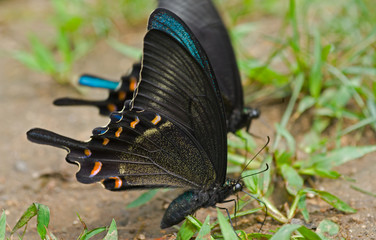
[33, 173]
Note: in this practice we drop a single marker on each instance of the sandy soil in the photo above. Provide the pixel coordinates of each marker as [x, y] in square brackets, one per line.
[33, 173]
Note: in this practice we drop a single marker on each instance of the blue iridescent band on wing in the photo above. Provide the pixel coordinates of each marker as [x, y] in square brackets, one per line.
[92, 81]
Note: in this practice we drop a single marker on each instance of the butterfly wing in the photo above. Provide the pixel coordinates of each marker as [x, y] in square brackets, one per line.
[193, 99]
[172, 137]
[119, 92]
[206, 24]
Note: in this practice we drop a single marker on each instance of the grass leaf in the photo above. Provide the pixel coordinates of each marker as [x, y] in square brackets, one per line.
[143, 198]
[43, 219]
[204, 233]
[3, 225]
[315, 79]
[187, 230]
[302, 206]
[308, 234]
[339, 156]
[294, 181]
[89, 234]
[112, 233]
[127, 50]
[226, 229]
[285, 232]
[334, 201]
[25, 218]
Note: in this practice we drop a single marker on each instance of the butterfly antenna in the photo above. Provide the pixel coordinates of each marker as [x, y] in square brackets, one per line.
[138, 85]
[261, 202]
[267, 167]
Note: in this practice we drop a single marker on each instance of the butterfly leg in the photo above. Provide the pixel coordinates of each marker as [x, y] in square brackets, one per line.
[228, 214]
[261, 202]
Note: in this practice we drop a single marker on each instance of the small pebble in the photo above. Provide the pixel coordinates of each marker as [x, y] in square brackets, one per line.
[20, 166]
[141, 236]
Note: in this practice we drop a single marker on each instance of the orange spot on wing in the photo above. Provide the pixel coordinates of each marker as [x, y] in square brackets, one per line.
[105, 141]
[118, 132]
[122, 95]
[96, 169]
[156, 120]
[135, 122]
[87, 152]
[118, 182]
[111, 107]
[132, 83]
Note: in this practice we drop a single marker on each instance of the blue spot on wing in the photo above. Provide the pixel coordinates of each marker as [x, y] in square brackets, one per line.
[92, 81]
[99, 131]
[116, 117]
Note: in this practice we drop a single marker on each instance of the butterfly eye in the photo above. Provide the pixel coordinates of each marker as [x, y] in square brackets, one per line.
[237, 187]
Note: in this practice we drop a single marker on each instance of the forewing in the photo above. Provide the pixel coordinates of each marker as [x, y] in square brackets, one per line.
[206, 24]
[184, 89]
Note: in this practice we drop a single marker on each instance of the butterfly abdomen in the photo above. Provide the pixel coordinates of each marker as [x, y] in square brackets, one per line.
[192, 200]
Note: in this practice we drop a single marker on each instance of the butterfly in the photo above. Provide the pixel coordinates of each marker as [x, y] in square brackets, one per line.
[206, 24]
[172, 134]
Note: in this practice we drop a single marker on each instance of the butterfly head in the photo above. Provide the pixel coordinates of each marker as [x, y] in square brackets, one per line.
[235, 185]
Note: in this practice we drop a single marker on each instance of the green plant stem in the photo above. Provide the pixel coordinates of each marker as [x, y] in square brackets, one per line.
[286, 116]
[294, 206]
[273, 211]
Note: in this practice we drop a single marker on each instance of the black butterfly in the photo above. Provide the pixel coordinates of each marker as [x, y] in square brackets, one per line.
[206, 24]
[172, 134]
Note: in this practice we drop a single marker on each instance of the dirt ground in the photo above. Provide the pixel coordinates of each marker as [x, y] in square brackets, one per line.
[34, 173]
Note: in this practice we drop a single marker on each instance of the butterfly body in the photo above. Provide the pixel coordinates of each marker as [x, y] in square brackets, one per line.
[192, 200]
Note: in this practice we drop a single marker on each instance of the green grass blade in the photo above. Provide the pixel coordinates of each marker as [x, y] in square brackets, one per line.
[204, 233]
[187, 230]
[226, 229]
[294, 182]
[128, 51]
[112, 233]
[285, 232]
[287, 135]
[358, 125]
[286, 116]
[315, 79]
[339, 156]
[363, 191]
[3, 225]
[25, 218]
[89, 234]
[28, 60]
[43, 219]
[43, 55]
[144, 198]
[294, 23]
[259, 236]
[334, 201]
[308, 234]
[302, 206]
